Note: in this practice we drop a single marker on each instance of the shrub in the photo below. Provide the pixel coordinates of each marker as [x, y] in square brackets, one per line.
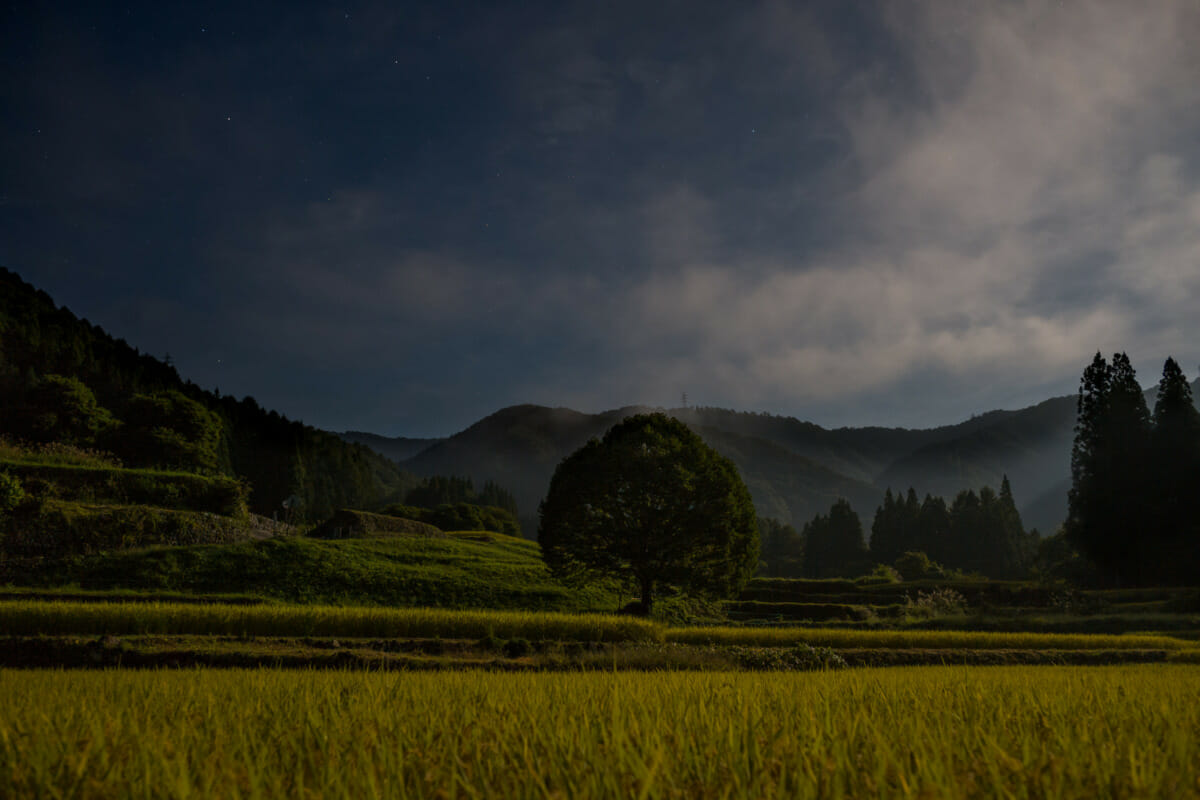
[11, 493]
[881, 574]
[915, 565]
[937, 603]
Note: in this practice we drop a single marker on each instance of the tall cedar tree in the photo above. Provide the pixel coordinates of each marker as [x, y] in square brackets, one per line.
[833, 544]
[1106, 513]
[653, 503]
[1175, 490]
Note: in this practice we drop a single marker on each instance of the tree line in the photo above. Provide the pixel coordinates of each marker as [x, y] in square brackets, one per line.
[1134, 504]
[977, 533]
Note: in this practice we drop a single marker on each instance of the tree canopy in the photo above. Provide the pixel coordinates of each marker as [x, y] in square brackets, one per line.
[652, 503]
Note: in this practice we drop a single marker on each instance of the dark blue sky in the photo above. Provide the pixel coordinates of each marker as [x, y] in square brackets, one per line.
[401, 217]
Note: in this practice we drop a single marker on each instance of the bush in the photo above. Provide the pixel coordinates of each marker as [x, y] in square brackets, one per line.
[881, 574]
[915, 565]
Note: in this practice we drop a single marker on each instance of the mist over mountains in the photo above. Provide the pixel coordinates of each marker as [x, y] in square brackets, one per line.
[794, 469]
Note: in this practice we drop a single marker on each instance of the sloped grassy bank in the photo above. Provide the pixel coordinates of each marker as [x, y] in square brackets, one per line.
[460, 570]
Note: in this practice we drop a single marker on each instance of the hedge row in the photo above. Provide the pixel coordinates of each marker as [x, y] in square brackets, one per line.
[89, 484]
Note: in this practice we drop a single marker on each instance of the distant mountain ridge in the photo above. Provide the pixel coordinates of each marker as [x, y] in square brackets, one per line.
[794, 469]
[397, 448]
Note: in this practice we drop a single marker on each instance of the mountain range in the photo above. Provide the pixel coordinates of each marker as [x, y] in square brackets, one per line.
[794, 469]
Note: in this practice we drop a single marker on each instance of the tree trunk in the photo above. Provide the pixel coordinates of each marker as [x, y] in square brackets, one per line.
[647, 595]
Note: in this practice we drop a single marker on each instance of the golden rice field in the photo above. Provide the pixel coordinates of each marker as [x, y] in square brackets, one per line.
[52, 617]
[934, 732]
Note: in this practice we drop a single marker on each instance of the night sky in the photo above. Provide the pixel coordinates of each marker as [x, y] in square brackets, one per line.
[400, 217]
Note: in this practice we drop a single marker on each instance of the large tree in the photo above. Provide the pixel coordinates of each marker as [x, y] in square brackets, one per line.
[653, 503]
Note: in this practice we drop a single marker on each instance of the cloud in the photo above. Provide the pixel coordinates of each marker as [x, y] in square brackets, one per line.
[1023, 196]
[888, 213]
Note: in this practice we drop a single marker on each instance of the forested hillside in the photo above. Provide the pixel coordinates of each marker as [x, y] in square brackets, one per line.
[794, 469]
[115, 386]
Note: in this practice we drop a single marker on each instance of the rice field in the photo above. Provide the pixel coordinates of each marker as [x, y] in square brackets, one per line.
[49, 618]
[56, 617]
[934, 732]
[849, 638]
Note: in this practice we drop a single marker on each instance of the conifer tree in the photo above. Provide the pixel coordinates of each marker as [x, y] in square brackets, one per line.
[1107, 502]
[1175, 490]
[896, 528]
[933, 525]
[833, 544]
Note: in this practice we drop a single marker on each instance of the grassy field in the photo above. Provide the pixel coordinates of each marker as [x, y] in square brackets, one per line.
[1129, 732]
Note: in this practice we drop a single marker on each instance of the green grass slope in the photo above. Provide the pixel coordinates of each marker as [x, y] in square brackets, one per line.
[464, 570]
